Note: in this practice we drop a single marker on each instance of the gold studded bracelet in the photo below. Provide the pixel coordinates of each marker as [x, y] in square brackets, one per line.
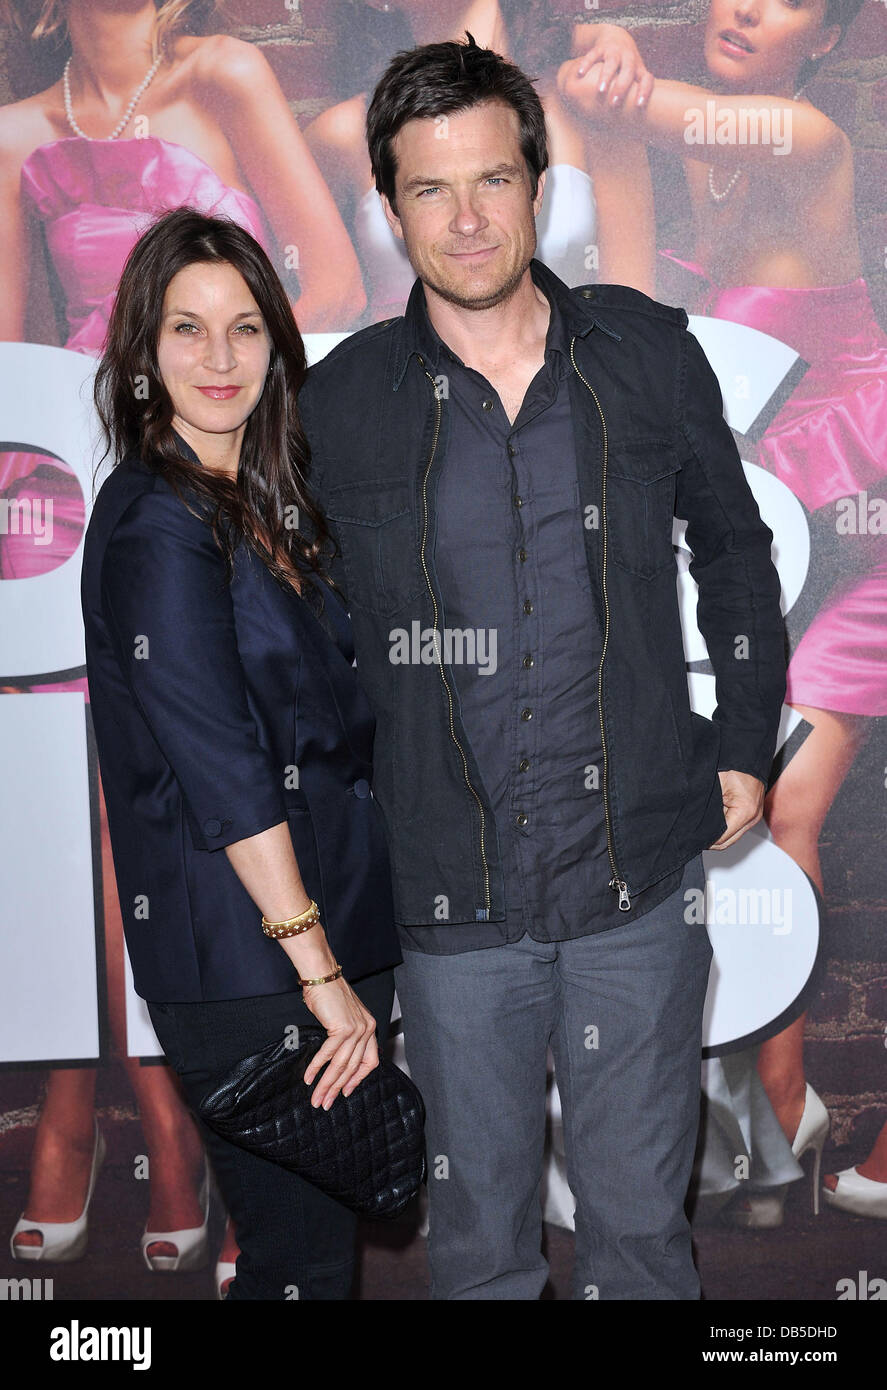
[323, 979]
[293, 925]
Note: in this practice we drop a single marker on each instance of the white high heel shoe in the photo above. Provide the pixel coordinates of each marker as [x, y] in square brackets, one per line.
[812, 1134]
[764, 1210]
[225, 1269]
[858, 1195]
[63, 1241]
[192, 1243]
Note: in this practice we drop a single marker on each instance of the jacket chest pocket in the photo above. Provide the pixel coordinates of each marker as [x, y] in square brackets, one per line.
[377, 533]
[641, 480]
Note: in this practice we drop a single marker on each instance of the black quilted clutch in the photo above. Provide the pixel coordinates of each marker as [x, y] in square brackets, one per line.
[367, 1150]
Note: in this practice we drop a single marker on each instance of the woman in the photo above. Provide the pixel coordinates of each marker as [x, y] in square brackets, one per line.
[827, 443]
[228, 717]
[141, 115]
[594, 194]
[144, 115]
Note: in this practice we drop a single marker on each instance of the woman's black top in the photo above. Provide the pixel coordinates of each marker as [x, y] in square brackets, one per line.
[220, 711]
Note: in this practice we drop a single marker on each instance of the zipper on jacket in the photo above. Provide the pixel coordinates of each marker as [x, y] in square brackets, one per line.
[617, 882]
[440, 665]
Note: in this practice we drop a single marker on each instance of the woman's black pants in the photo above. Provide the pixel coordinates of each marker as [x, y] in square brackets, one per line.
[295, 1242]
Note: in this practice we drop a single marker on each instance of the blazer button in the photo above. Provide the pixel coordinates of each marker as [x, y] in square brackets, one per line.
[212, 827]
[361, 787]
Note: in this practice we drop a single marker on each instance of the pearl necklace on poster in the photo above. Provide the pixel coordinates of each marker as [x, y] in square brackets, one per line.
[731, 183]
[124, 120]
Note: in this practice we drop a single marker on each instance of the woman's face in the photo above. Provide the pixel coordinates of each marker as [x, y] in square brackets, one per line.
[770, 41]
[213, 351]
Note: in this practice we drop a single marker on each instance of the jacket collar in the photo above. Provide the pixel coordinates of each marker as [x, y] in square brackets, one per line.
[415, 336]
[133, 455]
[185, 447]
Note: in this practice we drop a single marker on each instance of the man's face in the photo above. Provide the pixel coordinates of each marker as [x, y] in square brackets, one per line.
[465, 206]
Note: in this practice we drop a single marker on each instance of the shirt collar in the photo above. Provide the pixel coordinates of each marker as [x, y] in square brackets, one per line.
[569, 317]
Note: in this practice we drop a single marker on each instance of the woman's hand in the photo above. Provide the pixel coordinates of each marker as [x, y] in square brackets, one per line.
[610, 65]
[267, 867]
[350, 1050]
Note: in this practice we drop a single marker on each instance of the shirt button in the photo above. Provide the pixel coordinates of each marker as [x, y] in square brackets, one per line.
[487, 405]
[518, 501]
[522, 556]
[212, 827]
[528, 661]
[523, 765]
[528, 607]
[522, 819]
[526, 714]
[361, 787]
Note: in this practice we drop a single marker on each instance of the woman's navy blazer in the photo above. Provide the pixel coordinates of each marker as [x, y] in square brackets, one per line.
[220, 711]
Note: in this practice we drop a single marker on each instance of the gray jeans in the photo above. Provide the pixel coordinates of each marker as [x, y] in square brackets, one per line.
[622, 1013]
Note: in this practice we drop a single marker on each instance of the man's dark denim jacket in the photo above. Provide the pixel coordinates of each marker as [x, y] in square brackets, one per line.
[651, 443]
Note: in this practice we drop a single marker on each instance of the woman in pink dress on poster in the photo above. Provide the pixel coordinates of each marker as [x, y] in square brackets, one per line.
[145, 117]
[828, 443]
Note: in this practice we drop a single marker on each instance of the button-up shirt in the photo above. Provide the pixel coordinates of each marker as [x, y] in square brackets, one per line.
[511, 571]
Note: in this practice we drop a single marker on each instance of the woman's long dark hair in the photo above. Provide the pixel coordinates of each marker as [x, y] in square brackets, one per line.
[269, 497]
[841, 12]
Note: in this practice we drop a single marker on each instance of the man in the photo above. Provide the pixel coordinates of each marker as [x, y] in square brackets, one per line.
[501, 468]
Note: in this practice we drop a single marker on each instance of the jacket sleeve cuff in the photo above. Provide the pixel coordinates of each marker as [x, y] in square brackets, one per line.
[745, 751]
[231, 825]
